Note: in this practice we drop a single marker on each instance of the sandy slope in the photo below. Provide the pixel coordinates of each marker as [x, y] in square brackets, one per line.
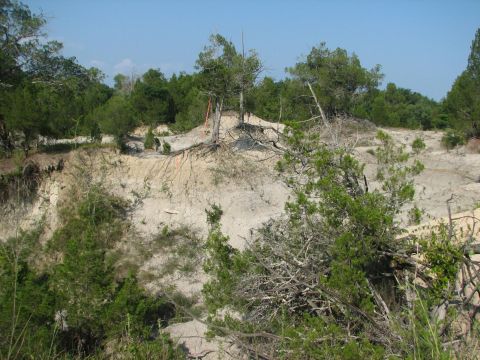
[455, 172]
[176, 190]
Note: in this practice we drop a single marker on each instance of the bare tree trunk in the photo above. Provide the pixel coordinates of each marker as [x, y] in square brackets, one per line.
[242, 109]
[216, 120]
[5, 138]
[322, 114]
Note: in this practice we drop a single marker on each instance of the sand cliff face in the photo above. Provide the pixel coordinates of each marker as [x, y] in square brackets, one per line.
[174, 191]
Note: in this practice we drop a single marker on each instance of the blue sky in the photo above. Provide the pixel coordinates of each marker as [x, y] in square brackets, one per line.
[422, 45]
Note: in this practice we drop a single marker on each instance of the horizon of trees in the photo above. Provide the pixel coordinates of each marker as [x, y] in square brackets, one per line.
[44, 93]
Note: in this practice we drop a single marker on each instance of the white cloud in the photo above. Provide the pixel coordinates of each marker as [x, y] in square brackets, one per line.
[126, 66]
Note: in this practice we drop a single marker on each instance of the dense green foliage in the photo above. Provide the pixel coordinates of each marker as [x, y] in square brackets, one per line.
[75, 306]
[463, 101]
[149, 142]
[397, 107]
[353, 90]
[190, 102]
[453, 138]
[401, 108]
[152, 100]
[338, 79]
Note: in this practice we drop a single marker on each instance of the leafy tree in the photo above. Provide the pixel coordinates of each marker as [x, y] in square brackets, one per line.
[152, 100]
[462, 103]
[95, 95]
[338, 78]
[123, 84]
[25, 113]
[266, 99]
[116, 117]
[247, 70]
[379, 111]
[56, 110]
[20, 41]
[217, 71]
[190, 102]
[473, 66]
[61, 92]
[283, 100]
[193, 114]
[399, 107]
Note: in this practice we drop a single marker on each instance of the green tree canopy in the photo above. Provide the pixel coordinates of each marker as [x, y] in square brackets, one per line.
[217, 65]
[20, 40]
[462, 103]
[339, 79]
[152, 100]
[116, 116]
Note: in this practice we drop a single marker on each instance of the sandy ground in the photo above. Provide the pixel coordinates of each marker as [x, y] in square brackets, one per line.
[176, 190]
[447, 173]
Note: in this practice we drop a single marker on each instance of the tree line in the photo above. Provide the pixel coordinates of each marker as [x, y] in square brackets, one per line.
[45, 93]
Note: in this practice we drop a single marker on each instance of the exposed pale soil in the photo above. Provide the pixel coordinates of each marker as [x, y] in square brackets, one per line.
[240, 177]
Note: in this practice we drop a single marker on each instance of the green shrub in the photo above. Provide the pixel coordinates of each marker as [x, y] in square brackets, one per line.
[418, 145]
[166, 148]
[115, 117]
[149, 139]
[415, 215]
[96, 133]
[453, 138]
[444, 257]
[161, 348]
[75, 305]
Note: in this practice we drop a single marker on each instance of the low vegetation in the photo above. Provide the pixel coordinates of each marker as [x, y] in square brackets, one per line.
[149, 142]
[452, 139]
[72, 304]
[418, 145]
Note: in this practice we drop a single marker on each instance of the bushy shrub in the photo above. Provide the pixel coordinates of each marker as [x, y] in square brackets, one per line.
[96, 133]
[149, 139]
[453, 138]
[192, 115]
[418, 145]
[115, 117]
[415, 215]
[166, 148]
